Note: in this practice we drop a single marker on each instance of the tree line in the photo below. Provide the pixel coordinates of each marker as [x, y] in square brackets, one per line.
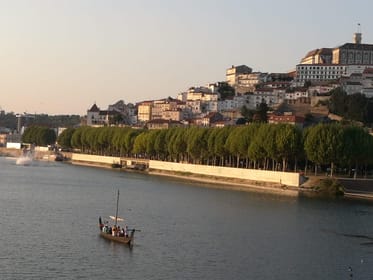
[9, 120]
[280, 147]
[39, 135]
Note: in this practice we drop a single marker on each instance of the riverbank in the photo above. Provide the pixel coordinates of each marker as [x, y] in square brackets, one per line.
[353, 188]
[284, 183]
[207, 181]
[359, 189]
[229, 183]
[37, 155]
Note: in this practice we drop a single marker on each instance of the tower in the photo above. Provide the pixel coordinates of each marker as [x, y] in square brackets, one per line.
[357, 35]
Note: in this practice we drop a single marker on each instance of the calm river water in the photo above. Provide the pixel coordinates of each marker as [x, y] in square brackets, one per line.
[49, 215]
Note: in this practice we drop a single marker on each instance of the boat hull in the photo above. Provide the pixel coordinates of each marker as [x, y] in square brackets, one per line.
[119, 239]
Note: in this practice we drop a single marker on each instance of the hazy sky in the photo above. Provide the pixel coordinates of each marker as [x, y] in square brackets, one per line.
[61, 56]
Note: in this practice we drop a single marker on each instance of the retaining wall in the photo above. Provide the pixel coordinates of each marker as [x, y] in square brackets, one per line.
[95, 159]
[285, 178]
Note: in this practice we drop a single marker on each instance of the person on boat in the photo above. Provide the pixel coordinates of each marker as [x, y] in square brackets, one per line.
[101, 224]
[125, 231]
[115, 230]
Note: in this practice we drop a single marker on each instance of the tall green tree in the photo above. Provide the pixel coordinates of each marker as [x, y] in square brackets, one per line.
[357, 107]
[220, 149]
[289, 143]
[323, 145]
[140, 143]
[65, 138]
[262, 112]
[355, 146]
[338, 101]
[257, 152]
[211, 144]
[269, 142]
[40, 136]
[197, 144]
[160, 145]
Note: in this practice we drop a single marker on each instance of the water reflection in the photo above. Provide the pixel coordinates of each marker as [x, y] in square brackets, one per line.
[49, 221]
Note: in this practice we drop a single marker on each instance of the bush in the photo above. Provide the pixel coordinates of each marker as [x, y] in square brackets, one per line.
[329, 187]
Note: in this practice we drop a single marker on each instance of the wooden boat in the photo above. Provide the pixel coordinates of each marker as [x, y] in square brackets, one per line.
[120, 239]
[126, 237]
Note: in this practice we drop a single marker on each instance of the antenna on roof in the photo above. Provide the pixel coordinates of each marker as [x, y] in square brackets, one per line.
[358, 28]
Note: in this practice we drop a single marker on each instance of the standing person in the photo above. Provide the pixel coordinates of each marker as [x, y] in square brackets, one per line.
[100, 223]
[126, 231]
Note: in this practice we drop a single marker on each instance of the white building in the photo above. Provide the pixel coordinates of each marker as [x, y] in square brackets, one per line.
[319, 72]
[269, 96]
[199, 93]
[234, 72]
[234, 103]
[247, 82]
[296, 94]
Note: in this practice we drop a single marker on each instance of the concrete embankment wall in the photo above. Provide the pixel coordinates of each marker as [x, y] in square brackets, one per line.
[285, 178]
[94, 159]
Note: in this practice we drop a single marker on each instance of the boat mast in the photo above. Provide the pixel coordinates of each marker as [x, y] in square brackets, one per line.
[116, 213]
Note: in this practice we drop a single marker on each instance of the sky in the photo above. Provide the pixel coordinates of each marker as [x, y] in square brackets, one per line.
[62, 56]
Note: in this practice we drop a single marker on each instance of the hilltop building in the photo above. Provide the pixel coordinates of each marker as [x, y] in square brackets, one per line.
[303, 90]
[333, 63]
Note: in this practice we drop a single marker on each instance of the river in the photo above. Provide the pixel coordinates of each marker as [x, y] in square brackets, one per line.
[49, 216]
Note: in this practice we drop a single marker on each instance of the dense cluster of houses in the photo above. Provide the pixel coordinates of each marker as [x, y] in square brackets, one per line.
[349, 66]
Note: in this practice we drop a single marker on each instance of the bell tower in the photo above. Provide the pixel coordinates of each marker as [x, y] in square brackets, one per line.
[357, 35]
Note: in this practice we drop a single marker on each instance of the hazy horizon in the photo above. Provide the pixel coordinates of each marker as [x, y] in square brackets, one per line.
[60, 57]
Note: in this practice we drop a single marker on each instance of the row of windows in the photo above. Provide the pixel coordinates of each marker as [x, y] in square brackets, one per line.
[320, 73]
[305, 77]
[321, 67]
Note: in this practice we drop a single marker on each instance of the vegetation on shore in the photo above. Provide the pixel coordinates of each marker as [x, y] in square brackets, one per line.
[262, 146]
[40, 136]
[9, 120]
[329, 187]
[352, 107]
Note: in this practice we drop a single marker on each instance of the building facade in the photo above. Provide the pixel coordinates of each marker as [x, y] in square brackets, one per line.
[234, 72]
[332, 64]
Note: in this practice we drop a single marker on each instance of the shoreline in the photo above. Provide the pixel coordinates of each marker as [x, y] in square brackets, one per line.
[235, 184]
[208, 181]
[218, 182]
[230, 184]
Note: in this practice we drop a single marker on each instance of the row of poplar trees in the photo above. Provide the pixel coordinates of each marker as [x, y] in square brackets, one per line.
[280, 147]
[39, 135]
